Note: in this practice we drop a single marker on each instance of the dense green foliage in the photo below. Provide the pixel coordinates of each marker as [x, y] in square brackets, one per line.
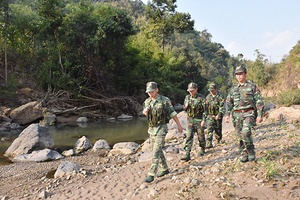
[286, 82]
[106, 48]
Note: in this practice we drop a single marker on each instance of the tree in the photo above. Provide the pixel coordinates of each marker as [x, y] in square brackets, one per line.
[257, 70]
[4, 9]
[164, 20]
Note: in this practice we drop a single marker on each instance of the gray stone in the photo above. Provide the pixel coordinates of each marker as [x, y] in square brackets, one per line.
[101, 144]
[82, 145]
[27, 113]
[38, 156]
[67, 168]
[34, 137]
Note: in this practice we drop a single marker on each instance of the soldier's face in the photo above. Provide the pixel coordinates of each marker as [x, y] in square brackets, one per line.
[241, 77]
[214, 92]
[193, 92]
[153, 94]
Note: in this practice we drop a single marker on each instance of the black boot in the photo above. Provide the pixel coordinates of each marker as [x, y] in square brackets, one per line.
[186, 157]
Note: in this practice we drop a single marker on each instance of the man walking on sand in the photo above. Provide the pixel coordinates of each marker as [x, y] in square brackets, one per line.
[245, 103]
[159, 111]
[194, 106]
[214, 103]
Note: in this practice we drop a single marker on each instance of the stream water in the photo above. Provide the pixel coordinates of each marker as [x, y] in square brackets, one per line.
[65, 137]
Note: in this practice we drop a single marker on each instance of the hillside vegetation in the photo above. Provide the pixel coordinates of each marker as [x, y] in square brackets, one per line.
[284, 88]
[92, 51]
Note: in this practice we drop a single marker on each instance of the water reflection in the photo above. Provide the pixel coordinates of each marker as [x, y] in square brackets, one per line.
[66, 136]
[119, 131]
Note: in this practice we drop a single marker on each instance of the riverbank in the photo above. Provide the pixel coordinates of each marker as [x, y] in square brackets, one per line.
[216, 175]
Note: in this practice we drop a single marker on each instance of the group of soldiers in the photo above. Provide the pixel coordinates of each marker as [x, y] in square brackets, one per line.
[244, 103]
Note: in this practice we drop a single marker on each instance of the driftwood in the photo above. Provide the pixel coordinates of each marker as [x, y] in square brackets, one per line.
[61, 103]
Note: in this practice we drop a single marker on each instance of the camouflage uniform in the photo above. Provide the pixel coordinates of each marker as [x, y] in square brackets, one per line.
[215, 106]
[244, 102]
[195, 108]
[161, 110]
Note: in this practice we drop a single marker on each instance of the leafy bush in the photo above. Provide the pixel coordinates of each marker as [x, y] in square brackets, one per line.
[288, 97]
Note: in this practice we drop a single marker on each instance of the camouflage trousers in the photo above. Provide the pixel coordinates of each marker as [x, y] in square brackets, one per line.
[244, 123]
[214, 126]
[158, 158]
[192, 128]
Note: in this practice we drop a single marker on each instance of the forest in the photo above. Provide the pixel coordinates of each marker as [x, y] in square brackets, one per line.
[107, 49]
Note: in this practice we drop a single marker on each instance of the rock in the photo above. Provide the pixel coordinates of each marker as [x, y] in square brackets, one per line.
[124, 117]
[50, 119]
[14, 126]
[38, 156]
[101, 144]
[182, 117]
[67, 168]
[4, 118]
[144, 157]
[289, 114]
[172, 149]
[125, 148]
[82, 120]
[82, 145]
[128, 145]
[44, 195]
[27, 113]
[69, 152]
[34, 137]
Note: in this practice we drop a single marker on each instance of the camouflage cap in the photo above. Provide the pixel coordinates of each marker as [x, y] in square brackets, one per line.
[192, 86]
[151, 86]
[212, 87]
[240, 69]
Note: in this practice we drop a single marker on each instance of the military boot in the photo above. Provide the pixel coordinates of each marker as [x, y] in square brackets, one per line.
[201, 152]
[162, 173]
[149, 179]
[244, 157]
[186, 157]
[251, 156]
[209, 144]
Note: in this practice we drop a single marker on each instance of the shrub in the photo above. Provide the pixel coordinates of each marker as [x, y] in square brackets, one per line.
[288, 97]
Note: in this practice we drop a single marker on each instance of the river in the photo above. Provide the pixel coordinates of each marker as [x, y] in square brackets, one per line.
[65, 137]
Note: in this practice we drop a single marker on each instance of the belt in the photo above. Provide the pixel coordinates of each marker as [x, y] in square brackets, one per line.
[244, 110]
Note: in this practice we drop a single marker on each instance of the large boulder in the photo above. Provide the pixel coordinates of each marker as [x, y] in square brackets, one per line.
[38, 156]
[34, 137]
[27, 113]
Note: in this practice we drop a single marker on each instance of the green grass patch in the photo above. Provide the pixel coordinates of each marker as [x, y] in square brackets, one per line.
[287, 97]
[272, 170]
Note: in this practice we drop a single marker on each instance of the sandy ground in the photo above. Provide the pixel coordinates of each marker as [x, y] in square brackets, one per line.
[217, 175]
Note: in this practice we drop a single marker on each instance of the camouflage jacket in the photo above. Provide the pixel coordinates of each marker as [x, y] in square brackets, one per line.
[214, 104]
[161, 110]
[243, 97]
[195, 106]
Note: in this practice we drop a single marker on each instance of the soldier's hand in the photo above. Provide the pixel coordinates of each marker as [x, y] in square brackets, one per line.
[227, 119]
[146, 110]
[259, 119]
[202, 124]
[180, 130]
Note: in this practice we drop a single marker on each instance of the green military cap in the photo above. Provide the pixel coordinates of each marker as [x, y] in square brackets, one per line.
[212, 87]
[240, 69]
[151, 86]
[192, 86]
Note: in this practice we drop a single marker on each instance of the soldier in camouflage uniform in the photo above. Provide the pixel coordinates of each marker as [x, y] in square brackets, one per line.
[245, 103]
[195, 107]
[159, 111]
[214, 103]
